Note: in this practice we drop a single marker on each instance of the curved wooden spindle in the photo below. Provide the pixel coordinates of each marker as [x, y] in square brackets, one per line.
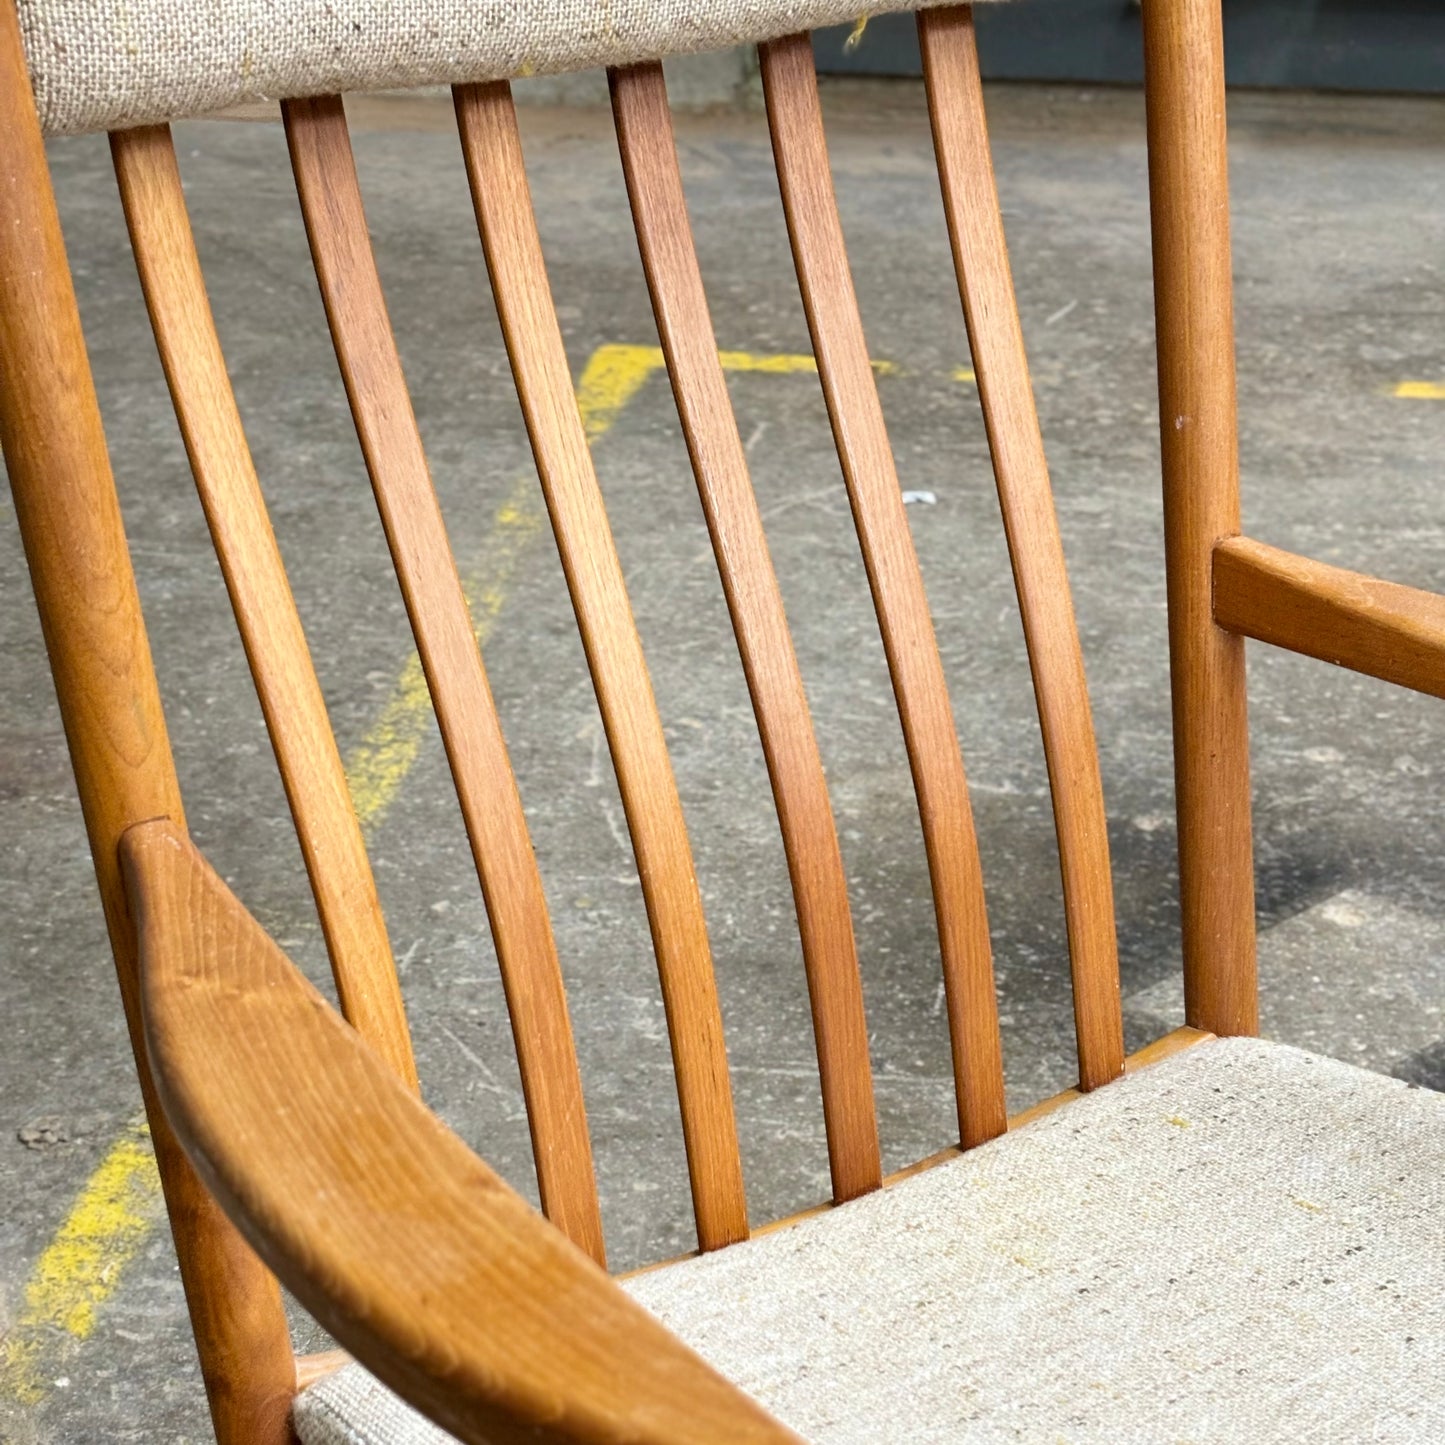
[493, 151]
[980, 257]
[291, 701]
[491, 806]
[805, 815]
[800, 150]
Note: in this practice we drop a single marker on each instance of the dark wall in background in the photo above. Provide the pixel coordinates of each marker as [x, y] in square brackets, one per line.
[1382, 45]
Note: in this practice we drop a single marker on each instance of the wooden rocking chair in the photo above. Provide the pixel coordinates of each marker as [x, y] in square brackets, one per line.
[1238, 1242]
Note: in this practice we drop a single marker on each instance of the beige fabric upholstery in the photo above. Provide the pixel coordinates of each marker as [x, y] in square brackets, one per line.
[108, 64]
[1245, 1243]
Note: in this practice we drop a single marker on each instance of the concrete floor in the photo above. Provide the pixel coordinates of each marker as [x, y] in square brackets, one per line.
[1338, 218]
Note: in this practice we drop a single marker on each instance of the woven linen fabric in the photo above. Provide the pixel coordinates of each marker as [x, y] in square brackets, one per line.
[108, 64]
[1243, 1243]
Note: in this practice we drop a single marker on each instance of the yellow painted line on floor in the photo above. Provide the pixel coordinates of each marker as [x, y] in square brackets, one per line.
[786, 365]
[1421, 390]
[614, 374]
[380, 762]
[612, 377]
[82, 1266]
[84, 1263]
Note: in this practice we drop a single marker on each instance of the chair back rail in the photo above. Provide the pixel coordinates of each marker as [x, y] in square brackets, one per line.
[366, 350]
[795, 768]
[980, 257]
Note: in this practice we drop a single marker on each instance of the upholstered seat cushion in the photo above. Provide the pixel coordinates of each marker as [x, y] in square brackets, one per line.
[1242, 1243]
[108, 64]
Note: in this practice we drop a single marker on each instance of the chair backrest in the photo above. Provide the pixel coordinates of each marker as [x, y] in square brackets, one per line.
[84, 585]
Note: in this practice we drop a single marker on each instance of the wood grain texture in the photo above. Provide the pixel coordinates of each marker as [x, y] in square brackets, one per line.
[1193, 307]
[70, 524]
[270, 627]
[805, 814]
[801, 155]
[1380, 628]
[980, 258]
[417, 1257]
[493, 152]
[486, 788]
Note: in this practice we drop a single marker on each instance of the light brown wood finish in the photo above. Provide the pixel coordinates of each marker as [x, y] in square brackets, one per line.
[491, 807]
[1189, 206]
[1380, 628]
[493, 152]
[980, 258]
[795, 118]
[70, 523]
[317, 1366]
[291, 701]
[805, 815]
[427, 1267]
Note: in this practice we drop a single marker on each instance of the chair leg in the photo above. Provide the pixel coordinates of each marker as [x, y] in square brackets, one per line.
[1189, 201]
[70, 523]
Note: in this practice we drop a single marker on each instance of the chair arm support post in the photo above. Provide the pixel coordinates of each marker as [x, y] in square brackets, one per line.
[1189, 205]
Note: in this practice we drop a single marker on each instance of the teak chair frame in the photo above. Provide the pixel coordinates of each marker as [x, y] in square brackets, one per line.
[469, 1326]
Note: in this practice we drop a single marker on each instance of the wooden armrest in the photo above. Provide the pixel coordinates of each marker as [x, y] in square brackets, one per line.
[419, 1260]
[1379, 628]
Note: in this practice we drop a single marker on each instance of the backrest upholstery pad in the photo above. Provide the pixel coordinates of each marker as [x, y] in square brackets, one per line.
[109, 64]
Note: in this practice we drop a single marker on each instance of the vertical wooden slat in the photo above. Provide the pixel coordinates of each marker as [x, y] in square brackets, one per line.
[291, 701]
[795, 118]
[491, 806]
[70, 523]
[980, 257]
[805, 815]
[1189, 205]
[495, 171]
